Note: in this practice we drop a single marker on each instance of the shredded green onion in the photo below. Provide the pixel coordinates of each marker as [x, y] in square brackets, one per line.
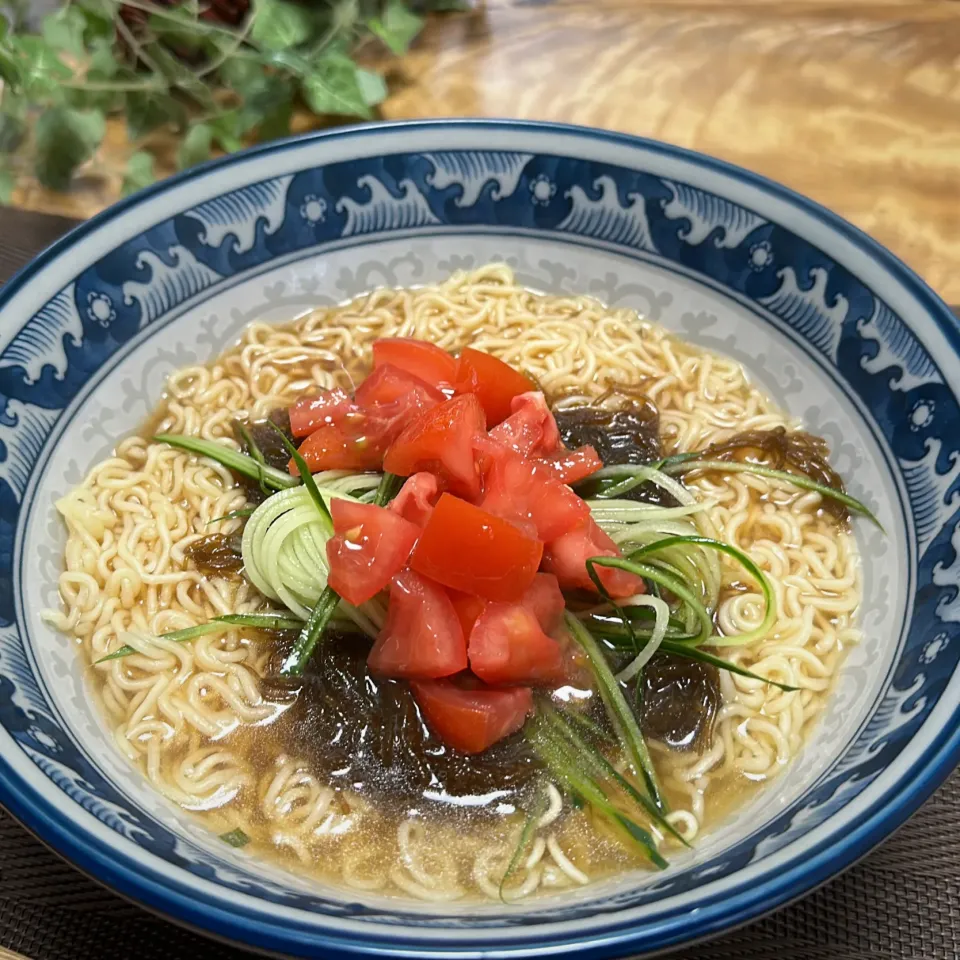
[593, 759]
[234, 515]
[621, 716]
[256, 453]
[665, 579]
[235, 838]
[305, 475]
[696, 653]
[536, 811]
[562, 762]
[310, 635]
[688, 464]
[388, 488]
[770, 611]
[257, 621]
[230, 458]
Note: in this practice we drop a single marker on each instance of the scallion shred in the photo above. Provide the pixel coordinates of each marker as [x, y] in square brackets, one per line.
[687, 463]
[621, 716]
[256, 621]
[229, 458]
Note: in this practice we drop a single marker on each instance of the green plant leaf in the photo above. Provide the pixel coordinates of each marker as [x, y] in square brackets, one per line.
[65, 138]
[7, 182]
[396, 26]
[180, 76]
[227, 128]
[179, 27]
[140, 172]
[43, 73]
[13, 123]
[148, 110]
[373, 88]
[280, 25]
[332, 86]
[63, 30]
[244, 77]
[103, 64]
[195, 147]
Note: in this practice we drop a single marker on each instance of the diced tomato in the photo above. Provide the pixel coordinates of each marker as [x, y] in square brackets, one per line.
[567, 556]
[530, 430]
[368, 547]
[507, 646]
[468, 609]
[494, 382]
[470, 550]
[417, 498]
[519, 489]
[357, 435]
[424, 360]
[326, 408]
[545, 601]
[332, 448]
[441, 441]
[471, 720]
[389, 383]
[422, 637]
[572, 466]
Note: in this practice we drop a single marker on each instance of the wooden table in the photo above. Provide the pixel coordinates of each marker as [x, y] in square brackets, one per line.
[855, 103]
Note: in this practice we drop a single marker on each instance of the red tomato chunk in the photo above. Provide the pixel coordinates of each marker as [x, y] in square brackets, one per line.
[422, 637]
[441, 441]
[507, 646]
[388, 384]
[417, 498]
[567, 557]
[545, 601]
[494, 382]
[530, 430]
[470, 550]
[471, 721]
[468, 609]
[519, 489]
[327, 408]
[369, 546]
[332, 448]
[572, 466]
[424, 360]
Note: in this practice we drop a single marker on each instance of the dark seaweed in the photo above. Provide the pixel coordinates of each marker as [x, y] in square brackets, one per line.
[217, 554]
[679, 700]
[781, 450]
[366, 733]
[271, 447]
[628, 435]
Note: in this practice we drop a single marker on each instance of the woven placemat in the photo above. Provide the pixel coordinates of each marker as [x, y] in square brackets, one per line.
[900, 903]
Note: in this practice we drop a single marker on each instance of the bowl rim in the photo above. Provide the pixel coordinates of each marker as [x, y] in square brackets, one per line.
[212, 916]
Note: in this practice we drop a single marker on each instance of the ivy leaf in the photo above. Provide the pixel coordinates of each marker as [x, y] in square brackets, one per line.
[180, 76]
[63, 30]
[7, 183]
[140, 172]
[244, 77]
[373, 87]
[396, 26]
[148, 110]
[42, 71]
[180, 28]
[228, 127]
[103, 63]
[280, 25]
[13, 123]
[269, 108]
[332, 86]
[65, 138]
[196, 146]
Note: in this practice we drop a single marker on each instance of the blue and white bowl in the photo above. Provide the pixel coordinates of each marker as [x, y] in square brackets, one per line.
[833, 326]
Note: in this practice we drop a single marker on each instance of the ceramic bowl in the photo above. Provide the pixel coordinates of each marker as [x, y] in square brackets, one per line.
[829, 323]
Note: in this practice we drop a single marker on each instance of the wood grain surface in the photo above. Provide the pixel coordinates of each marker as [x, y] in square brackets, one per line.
[856, 103]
